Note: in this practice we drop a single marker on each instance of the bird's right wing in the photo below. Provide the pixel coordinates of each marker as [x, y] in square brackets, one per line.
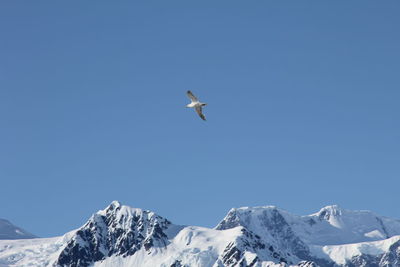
[191, 96]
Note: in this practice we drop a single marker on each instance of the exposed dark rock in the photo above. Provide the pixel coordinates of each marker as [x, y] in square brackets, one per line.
[114, 233]
[231, 255]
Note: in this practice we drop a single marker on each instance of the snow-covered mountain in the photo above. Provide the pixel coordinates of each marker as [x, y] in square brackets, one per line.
[10, 231]
[260, 236]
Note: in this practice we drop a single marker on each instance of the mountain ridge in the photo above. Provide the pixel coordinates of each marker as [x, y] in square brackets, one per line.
[249, 236]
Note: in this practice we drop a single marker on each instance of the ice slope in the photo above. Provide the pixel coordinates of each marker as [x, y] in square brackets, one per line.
[10, 231]
[333, 225]
[38, 252]
[120, 236]
[341, 254]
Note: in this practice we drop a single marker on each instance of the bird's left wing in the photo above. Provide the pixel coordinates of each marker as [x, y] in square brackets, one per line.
[199, 111]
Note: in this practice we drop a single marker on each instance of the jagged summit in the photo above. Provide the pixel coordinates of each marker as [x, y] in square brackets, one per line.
[117, 230]
[115, 203]
[243, 216]
[119, 210]
[332, 210]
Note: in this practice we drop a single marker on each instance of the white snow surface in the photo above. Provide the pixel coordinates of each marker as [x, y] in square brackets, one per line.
[341, 253]
[332, 233]
[38, 252]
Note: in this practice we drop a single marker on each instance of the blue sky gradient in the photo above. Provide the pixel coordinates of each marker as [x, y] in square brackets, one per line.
[303, 108]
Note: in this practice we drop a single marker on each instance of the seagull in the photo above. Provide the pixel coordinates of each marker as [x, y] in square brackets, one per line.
[196, 104]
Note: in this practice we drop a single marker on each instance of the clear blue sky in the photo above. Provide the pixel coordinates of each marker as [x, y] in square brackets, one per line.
[303, 108]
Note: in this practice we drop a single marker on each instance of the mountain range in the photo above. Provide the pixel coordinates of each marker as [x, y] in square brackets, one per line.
[121, 236]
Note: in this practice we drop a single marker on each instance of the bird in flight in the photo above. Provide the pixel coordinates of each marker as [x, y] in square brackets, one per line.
[196, 104]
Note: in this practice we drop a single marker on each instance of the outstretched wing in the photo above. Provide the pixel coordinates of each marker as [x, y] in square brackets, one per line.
[199, 111]
[191, 96]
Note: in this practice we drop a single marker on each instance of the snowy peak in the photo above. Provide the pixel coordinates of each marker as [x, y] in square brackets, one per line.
[117, 230]
[333, 215]
[329, 211]
[10, 231]
[125, 217]
[273, 226]
[335, 225]
[245, 216]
